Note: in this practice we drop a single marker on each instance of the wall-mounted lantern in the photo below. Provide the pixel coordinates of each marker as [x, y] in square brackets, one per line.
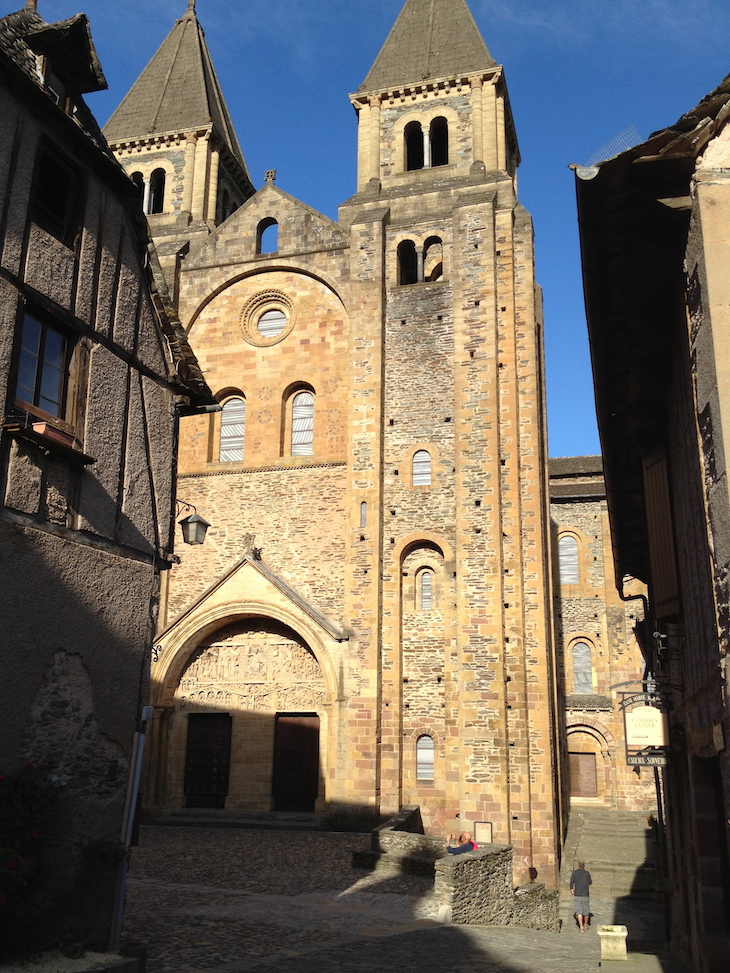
[194, 527]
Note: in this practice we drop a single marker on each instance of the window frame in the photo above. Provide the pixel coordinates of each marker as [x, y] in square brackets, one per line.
[65, 227]
[21, 406]
[573, 646]
[424, 477]
[563, 539]
[431, 752]
[229, 400]
[295, 394]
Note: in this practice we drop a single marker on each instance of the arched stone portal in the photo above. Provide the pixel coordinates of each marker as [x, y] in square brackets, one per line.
[591, 755]
[243, 722]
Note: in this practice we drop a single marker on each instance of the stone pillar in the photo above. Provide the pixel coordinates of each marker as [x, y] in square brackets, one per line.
[477, 120]
[189, 173]
[419, 266]
[489, 127]
[200, 179]
[375, 138]
[501, 134]
[426, 148]
[215, 158]
[363, 144]
[146, 196]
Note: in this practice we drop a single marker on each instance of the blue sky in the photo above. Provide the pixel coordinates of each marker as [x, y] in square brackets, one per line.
[578, 72]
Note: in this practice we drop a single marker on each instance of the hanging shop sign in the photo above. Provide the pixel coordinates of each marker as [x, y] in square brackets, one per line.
[646, 728]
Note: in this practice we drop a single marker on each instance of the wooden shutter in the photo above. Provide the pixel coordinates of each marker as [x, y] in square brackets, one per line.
[660, 536]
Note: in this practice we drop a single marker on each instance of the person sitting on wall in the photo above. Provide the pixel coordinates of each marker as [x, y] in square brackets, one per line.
[465, 844]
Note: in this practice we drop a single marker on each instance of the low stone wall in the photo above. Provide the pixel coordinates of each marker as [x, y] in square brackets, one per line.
[402, 835]
[476, 889]
[472, 889]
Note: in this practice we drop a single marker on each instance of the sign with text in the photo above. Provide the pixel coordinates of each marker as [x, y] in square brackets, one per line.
[646, 726]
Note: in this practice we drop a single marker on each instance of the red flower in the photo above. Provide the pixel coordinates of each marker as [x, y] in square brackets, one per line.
[36, 834]
[30, 766]
[12, 864]
[2, 897]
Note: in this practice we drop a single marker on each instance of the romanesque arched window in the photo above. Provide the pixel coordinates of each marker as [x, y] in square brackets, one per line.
[267, 236]
[568, 559]
[302, 424]
[433, 259]
[425, 752]
[424, 589]
[582, 668]
[421, 471]
[439, 139]
[157, 192]
[233, 425]
[414, 154]
[407, 262]
[138, 180]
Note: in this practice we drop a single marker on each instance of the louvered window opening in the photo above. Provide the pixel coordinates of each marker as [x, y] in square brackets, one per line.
[426, 590]
[568, 560]
[424, 758]
[422, 468]
[582, 669]
[271, 323]
[302, 425]
[233, 424]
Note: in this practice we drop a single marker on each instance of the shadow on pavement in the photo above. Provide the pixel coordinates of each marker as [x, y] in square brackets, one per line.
[224, 901]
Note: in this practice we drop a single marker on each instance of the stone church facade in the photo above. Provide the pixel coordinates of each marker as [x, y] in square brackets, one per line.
[368, 624]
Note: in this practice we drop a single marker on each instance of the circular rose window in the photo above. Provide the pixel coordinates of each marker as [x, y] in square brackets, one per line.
[266, 318]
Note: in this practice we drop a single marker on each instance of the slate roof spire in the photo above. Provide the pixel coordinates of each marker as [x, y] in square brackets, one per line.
[178, 91]
[430, 39]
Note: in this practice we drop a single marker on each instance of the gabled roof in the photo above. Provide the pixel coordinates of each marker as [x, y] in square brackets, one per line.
[72, 56]
[178, 91]
[634, 215]
[430, 39]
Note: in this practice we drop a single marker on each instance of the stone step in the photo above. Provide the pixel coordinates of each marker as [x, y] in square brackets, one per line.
[219, 818]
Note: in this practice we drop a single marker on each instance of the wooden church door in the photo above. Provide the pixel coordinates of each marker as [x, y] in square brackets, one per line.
[296, 762]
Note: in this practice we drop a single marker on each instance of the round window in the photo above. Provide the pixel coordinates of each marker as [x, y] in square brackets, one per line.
[267, 318]
[271, 323]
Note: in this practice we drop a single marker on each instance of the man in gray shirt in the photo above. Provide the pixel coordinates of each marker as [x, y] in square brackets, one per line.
[580, 883]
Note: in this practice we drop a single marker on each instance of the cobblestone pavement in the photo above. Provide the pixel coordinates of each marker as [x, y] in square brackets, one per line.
[227, 901]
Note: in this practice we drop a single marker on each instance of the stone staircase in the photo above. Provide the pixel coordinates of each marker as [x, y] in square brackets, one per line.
[619, 849]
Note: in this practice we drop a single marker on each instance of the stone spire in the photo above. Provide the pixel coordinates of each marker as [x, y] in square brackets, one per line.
[178, 91]
[430, 39]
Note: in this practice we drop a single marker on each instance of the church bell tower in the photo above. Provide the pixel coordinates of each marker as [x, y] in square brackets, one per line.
[450, 358]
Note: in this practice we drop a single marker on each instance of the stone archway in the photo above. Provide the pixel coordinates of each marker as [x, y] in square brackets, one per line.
[591, 764]
[238, 682]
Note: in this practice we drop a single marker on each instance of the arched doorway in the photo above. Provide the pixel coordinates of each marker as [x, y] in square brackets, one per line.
[243, 730]
[590, 765]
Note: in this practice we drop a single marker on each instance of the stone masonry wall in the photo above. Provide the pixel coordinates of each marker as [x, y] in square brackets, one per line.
[592, 612]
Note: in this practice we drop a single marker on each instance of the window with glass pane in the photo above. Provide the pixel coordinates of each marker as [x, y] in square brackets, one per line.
[302, 424]
[582, 668]
[271, 323]
[568, 559]
[42, 367]
[233, 425]
[424, 758]
[422, 468]
[426, 579]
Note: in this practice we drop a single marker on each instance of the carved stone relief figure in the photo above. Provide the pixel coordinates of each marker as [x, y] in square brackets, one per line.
[254, 664]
